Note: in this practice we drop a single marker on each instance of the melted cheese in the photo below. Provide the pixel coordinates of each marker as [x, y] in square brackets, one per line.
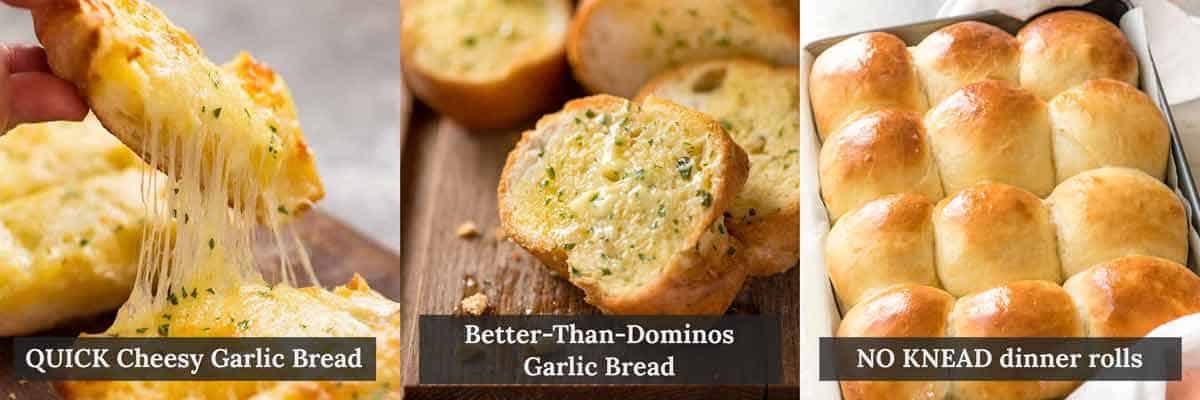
[34, 157]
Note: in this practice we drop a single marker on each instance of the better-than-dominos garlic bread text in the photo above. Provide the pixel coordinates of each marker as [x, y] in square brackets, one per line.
[759, 106]
[625, 200]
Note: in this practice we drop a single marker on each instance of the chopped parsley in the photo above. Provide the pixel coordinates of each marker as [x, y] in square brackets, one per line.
[684, 166]
[730, 251]
[550, 172]
[726, 125]
[171, 298]
[243, 325]
[724, 42]
[658, 29]
[142, 330]
[217, 113]
[575, 271]
[605, 271]
[569, 246]
[164, 329]
[706, 198]
[211, 291]
[589, 113]
[212, 243]
[282, 210]
[470, 41]
[83, 242]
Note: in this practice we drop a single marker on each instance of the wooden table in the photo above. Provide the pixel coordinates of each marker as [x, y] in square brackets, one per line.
[449, 178]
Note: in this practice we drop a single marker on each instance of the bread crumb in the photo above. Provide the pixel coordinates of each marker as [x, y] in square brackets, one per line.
[476, 304]
[499, 234]
[467, 230]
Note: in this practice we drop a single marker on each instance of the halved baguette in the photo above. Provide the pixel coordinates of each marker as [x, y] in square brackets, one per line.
[625, 200]
[616, 46]
[36, 157]
[759, 106]
[485, 63]
[151, 85]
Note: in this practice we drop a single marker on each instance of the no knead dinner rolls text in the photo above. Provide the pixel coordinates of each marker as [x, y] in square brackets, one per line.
[1047, 215]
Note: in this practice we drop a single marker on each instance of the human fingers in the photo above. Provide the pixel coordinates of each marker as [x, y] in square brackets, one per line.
[25, 58]
[26, 3]
[40, 96]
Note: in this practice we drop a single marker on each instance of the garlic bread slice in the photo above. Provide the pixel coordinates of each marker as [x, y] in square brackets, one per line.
[152, 86]
[69, 251]
[40, 156]
[625, 200]
[759, 106]
[616, 46]
[258, 310]
[485, 63]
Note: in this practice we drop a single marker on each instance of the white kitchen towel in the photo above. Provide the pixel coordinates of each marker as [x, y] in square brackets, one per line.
[1189, 329]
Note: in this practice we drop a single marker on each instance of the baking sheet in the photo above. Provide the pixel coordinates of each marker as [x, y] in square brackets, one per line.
[816, 290]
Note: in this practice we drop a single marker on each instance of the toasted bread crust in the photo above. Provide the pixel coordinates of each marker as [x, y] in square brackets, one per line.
[527, 88]
[701, 280]
[81, 35]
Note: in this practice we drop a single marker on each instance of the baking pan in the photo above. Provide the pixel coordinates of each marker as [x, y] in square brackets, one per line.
[816, 290]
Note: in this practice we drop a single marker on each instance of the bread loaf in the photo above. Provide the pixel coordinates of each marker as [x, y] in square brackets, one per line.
[992, 131]
[887, 242]
[865, 73]
[1015, 309]
[885, 152]
[1108, 213]
[991, 234]
[901, 311]
[1130, 296]
[1103, 123]
[625, 200]
[965, 53]
[1062, 49]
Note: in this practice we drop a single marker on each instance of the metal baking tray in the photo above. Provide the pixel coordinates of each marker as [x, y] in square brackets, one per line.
[822, 321]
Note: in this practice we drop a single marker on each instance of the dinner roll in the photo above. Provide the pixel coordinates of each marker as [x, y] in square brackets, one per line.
[1108, 123]
[992, 131]
[888, 241]
[991, 234]
[1015, 309]
[965, 53]
[1065, 48]
[1108, 213]
[1130, 296]
[883, 153]
[902, 311]
[865, 73]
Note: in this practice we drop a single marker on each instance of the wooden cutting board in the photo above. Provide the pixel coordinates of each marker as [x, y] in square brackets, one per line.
[449, 178]
[337, 251]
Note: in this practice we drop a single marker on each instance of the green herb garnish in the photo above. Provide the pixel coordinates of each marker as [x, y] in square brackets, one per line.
[684, 166]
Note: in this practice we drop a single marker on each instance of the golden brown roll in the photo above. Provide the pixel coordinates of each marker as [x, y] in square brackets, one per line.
[1130, 296]
[1016, 309]
[1063, 49]
[887, 242]
[1108, 213]
[992, 131]
[1108, 123]
[991, 234]
[885, 152]
[865, 73]
[901, 311]
[965, 53]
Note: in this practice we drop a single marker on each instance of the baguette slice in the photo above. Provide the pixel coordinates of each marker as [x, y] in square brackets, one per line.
[151, 85]
[625, 199]
[759, 106]
[258, 310]
[485, 63]
[616, 46]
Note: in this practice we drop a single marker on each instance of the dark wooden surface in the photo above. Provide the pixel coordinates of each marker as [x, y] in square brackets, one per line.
[337, 253]
[449, 178]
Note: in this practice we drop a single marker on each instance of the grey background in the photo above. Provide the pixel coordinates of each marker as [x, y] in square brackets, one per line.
[342, 62]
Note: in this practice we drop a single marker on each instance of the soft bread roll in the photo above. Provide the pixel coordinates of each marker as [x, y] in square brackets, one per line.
[865, 73]
[1108, 213]
[992, 131]
[902, 311]
[1130, 296]
[964, 53]
[758, 104]
[485, 63]
[1063, 49]
[1108, 123]
[885, 152]
[1016, 309]
[991, 234]
[887, 242]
